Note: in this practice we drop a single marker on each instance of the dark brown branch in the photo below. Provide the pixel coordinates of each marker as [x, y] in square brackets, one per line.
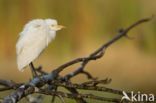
[100, 51]
[86, 96]
[121, 34]
[89, 86]
[8, 84]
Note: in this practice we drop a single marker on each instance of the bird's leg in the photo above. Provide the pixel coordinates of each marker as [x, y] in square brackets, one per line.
[33, 71]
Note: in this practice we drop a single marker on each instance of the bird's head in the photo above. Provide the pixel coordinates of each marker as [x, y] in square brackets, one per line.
[43, 25]
[52, 23]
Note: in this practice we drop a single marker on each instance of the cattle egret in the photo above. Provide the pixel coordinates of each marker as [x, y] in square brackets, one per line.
[34, 38]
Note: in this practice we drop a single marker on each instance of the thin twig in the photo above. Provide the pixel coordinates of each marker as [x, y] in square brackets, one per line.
[87, 96]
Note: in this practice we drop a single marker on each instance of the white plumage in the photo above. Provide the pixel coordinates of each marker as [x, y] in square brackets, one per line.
[34, 38]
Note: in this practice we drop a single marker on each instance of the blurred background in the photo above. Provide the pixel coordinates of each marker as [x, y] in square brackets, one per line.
[130, 63]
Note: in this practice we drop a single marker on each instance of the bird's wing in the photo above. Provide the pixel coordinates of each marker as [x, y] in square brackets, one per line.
[28, 48]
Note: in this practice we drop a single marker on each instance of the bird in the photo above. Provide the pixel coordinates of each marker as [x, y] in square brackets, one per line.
[34, 38]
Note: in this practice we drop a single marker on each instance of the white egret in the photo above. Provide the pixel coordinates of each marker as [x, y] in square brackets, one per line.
[34, 38]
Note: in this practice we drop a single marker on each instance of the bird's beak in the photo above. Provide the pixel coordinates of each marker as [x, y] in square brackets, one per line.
[57, 27]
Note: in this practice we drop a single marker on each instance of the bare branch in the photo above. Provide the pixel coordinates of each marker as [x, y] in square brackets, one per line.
[86, 96]
[100, 51]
